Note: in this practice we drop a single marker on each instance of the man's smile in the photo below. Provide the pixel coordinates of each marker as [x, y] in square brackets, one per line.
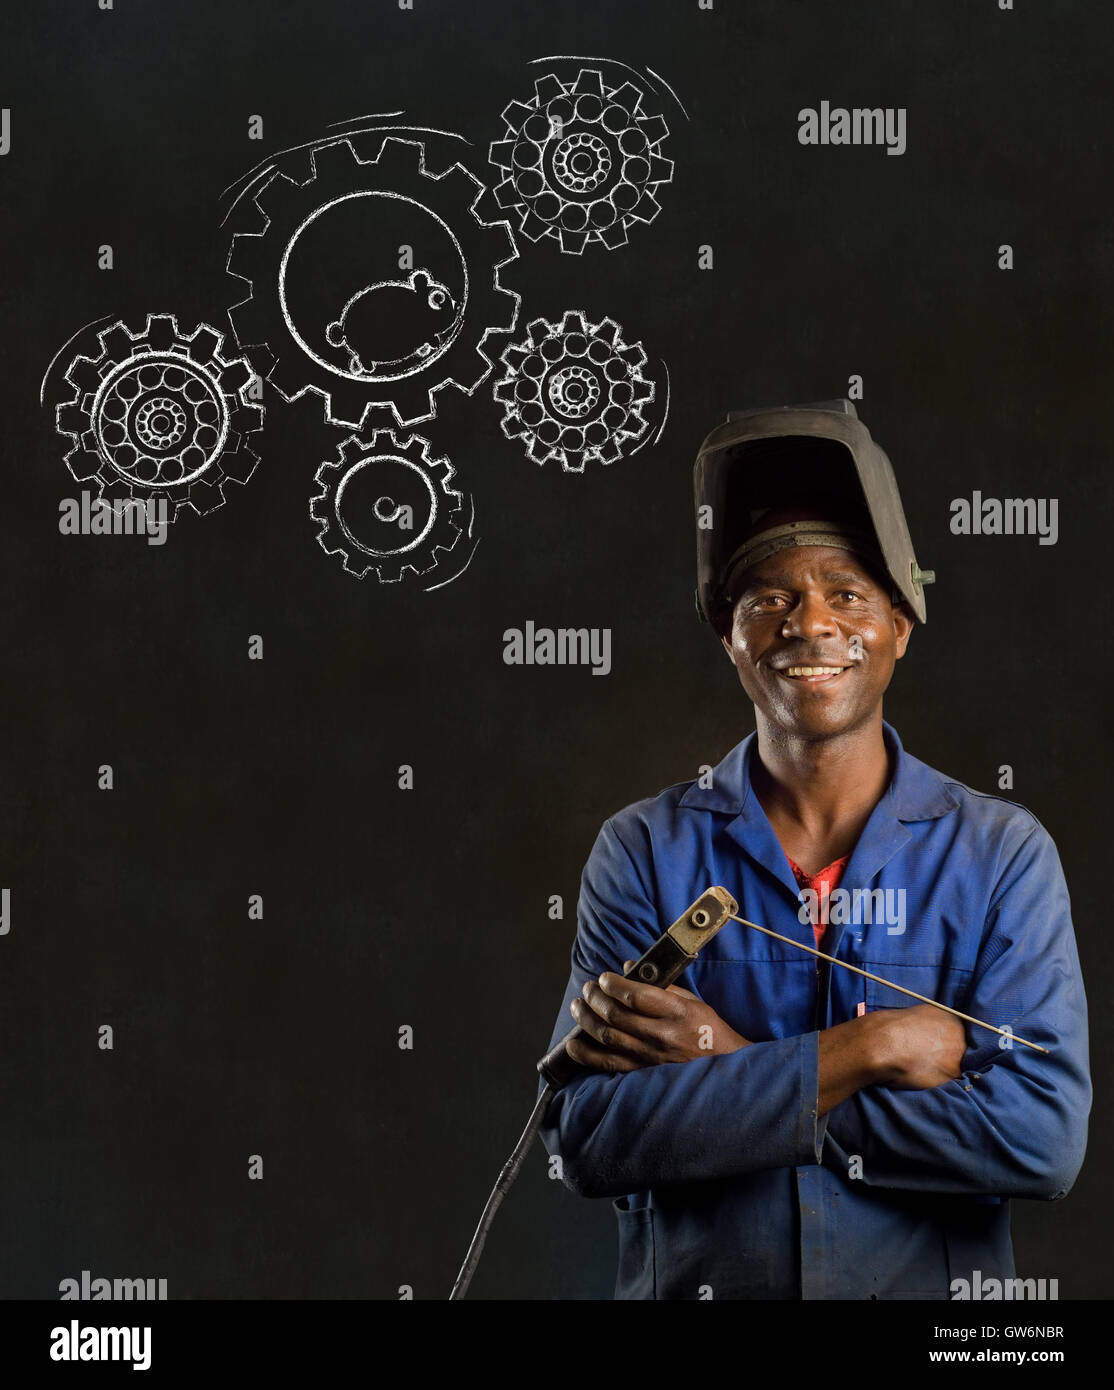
[811, 675]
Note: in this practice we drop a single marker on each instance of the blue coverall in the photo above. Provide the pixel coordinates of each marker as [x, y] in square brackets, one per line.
[725, 1181]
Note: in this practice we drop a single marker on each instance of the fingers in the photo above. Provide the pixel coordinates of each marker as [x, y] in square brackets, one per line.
[684, 993]
[649, 1000]
[590, 1054]
[611, 1025]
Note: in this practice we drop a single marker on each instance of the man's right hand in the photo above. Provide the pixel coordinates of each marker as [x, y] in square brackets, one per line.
[910, 1049]
[918, 1047]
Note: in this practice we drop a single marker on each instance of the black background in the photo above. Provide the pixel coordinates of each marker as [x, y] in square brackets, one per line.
[428, 907]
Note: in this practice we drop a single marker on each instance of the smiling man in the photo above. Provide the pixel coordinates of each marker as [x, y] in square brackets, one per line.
[775, 1126]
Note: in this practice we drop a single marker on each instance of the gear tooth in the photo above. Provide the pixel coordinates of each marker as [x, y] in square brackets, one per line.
[83, 373]
[574, 321]
[286, 379]
[614, 236]
[245, 255]
[481, 370]
[589, 82]
[412, 403]
[510, 299]
[453, 174]
[661, 170]
[654, 128]
[499, 153]
[398, 159]
[609, 331]
[205, 344]
[71, 419]
[513, 356]
[538, 330]
[162, 332]
[516, 113]
[644, 391]
[116, 489]
[234, 375]
[247, 418]
[633, 355]
[646, 209]
[532, 227]
[548, 87]
[573, 243]
[117, 342]
[637, 425]
[83, 464]
[489, 215]
[513, 427]
[627, 96]
[346, 403]
[242, 326]
[349, 451]
[445, 550]
[333, 162]
[239, 465]
[507, 195]
[326, 542]
[275, 192]
[575, 464]
[205, 497]
[251, 220]
[328, 471]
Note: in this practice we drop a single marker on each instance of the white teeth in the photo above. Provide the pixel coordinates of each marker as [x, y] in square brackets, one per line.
[813, 670]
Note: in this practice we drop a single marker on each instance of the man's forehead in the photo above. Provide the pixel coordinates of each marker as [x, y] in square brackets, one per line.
[822, 562]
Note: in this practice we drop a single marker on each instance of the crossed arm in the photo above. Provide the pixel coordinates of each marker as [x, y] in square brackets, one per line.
[677, 1094]
[629, 1025]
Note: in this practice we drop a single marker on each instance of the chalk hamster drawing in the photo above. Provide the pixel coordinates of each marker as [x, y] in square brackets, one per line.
[372, 263]
[420, 300]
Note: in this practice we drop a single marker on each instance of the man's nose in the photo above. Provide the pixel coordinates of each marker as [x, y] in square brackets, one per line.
[811, 617]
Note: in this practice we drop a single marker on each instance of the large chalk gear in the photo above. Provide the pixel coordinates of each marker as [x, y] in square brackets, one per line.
[820, 454]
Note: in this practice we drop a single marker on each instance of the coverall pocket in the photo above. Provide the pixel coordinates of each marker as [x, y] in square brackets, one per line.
[636, 1278]
[942, 985]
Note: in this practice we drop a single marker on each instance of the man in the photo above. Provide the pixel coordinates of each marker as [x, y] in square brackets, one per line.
[777, 1126]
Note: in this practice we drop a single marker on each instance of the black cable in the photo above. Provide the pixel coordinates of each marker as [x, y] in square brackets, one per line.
[498, 1192]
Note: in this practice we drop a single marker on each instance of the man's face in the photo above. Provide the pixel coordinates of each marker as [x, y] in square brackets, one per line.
[810, 607]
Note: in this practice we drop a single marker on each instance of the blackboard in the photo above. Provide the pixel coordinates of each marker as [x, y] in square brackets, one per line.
[257, 700]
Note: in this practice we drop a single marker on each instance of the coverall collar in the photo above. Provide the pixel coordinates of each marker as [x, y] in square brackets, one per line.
[916, 792]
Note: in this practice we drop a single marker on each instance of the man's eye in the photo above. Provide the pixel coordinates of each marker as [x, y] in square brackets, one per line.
[851, 594]
[768, 600]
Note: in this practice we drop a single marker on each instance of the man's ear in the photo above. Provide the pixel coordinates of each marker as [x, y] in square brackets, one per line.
[904, 622]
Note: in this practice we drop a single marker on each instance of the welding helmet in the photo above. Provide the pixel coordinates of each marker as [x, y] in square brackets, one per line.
[816, 462]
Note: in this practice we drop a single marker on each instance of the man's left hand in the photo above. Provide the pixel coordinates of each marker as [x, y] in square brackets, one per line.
[628, 1025]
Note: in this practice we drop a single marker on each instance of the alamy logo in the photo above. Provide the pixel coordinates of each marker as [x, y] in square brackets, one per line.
[125, 516]
[854, 906]
[90, 1289]
[862, 125]
[1006, 516]
[77, 1343]
[562, 646]
[983, 1290]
